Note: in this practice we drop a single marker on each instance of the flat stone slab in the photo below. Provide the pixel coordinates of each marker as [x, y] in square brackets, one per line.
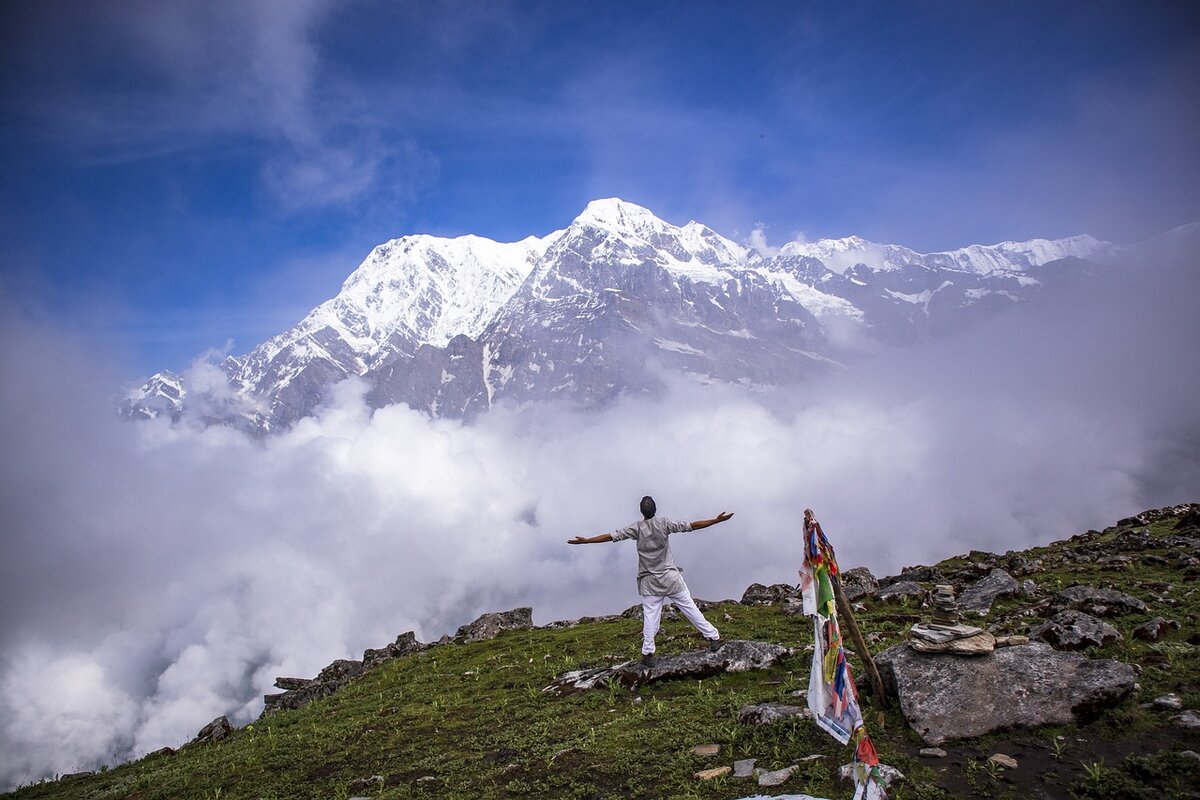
[946, 697]
[979, 644]
[736, 655]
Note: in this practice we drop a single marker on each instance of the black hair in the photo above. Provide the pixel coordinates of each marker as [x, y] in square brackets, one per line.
[648, 507]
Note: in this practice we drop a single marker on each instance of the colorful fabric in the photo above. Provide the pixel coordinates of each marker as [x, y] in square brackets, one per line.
[832, 694]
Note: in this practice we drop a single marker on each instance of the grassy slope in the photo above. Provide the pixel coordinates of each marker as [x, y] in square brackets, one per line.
[469, 720]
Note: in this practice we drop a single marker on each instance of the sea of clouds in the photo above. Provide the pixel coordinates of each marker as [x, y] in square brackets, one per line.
[156, 576]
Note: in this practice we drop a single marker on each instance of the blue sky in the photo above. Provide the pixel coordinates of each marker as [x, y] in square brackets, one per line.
[177, 175]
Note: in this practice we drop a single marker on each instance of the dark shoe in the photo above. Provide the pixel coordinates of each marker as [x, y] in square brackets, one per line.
[715, 644]
[647, 659]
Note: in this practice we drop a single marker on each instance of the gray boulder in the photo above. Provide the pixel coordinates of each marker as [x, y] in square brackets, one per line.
[769, 713]
[1155, 629]
[734, 656]
[978, 597]
[1074, 630]
[945, 697]
[858, 582]
[894, 592]
[489, 626]
[1188, 719]
[1099, 602]
[757, 594]
[214, 731]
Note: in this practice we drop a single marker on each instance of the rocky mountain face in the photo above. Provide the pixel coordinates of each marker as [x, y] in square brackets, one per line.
[607, 307]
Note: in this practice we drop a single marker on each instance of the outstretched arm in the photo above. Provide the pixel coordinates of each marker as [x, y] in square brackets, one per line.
[704, 523]
[604, 537]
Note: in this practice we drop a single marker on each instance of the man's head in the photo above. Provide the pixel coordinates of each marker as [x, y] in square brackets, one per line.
[648, 507]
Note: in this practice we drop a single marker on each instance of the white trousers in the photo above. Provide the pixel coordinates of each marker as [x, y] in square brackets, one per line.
[652, 607]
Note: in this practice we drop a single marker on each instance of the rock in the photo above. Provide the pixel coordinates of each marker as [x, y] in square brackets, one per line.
[71, 776]
[405, 644]
[162, 751]
[1015, 640]
[214, 731]
[1191, 754]
[978, 597]
[1100, 602]
[933, 752]
[858, 582]
[776, 777]
[744, 768]
[921, 574]
[1029, 588]
[1188, 719]
[1008, 762]
[757, 594]
[715, 772]
[706, 749]
[944, 697]
[793, 607]
[488, 626]
[1189, 520]
[888, 775]
[1074, 630]
[1155, 629]
[893, 592]
[734, 656]
[979, 644]
[340, 671]
[1168, 702]
[768, 713]
[300, 691]
[366, 784]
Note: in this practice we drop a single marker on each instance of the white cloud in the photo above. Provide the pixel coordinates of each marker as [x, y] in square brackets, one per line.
[758, 240]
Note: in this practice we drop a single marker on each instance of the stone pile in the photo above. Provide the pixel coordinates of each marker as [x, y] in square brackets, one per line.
[946, 634]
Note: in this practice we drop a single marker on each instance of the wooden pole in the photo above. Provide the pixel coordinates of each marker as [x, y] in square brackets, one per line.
[860, 645]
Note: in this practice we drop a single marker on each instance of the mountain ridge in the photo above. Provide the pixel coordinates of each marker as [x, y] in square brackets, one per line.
[445, 324]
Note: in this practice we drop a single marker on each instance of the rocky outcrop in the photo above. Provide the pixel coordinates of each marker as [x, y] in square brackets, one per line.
[734, 656]
[1095, 601]
[757, 594]
[489, 626]
[214, 731]
[299, 692]
[947, 697]
[1074, 630]
[858, 582]
[405, 644]
[979, 596]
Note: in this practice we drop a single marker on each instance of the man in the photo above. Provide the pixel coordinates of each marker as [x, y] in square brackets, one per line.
[659, 580]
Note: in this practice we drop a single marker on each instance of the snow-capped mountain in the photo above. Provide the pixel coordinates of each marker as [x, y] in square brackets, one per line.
[604, 307]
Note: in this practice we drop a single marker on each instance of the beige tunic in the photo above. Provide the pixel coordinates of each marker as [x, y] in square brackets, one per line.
[657, 574]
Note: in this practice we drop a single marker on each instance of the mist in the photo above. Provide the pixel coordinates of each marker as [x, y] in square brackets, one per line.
[156, 576]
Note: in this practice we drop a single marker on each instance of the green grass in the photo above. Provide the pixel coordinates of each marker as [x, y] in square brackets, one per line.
[471, 721]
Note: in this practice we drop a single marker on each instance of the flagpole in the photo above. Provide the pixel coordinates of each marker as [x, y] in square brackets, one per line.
[860, 645]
